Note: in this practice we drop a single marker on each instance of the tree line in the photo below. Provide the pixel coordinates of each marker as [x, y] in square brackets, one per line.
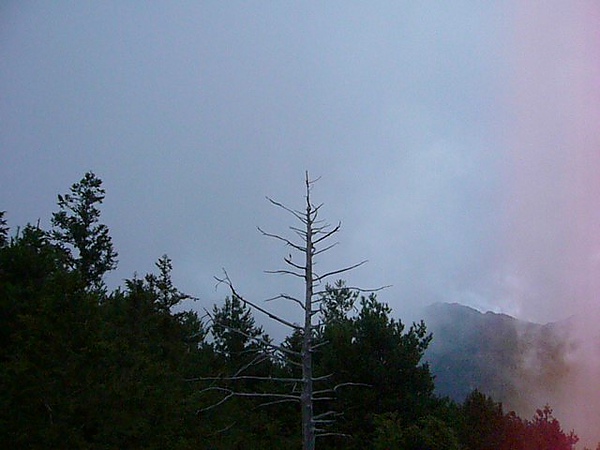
[84, 366]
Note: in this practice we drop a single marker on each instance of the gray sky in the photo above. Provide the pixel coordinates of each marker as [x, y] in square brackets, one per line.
[456, 141]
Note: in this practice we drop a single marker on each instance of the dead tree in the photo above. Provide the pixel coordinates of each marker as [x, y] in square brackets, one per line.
[313, 238]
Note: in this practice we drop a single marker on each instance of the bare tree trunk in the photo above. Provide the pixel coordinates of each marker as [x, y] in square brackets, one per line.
[308, 426]
[312, 236]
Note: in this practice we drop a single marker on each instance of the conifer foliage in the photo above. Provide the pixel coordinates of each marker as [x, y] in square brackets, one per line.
[77, 229]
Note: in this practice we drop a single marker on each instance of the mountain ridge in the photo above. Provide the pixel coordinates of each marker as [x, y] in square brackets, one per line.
[493, 352]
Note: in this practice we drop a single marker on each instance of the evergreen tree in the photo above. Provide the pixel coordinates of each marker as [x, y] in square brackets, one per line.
[79, 372]
[50, 333]
[484, 425]
[167, 295]
[77, 229]
[427, 433]
[3, 230]
[236, 335]
[373, 350]
[544, 432]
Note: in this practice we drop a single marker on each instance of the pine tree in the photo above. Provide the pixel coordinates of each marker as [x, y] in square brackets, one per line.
[78, 231]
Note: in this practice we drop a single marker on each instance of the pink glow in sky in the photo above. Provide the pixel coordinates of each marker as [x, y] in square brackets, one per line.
[554, 229]
[553, 250]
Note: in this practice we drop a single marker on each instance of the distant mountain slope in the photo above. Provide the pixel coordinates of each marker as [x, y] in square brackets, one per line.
[495, 353]
[524, 365]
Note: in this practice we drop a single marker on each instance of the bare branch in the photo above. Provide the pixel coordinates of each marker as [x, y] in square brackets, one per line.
[317, 207]
[320, 344]
[300, 231]
[288, 260]
[309, 183]
[275, 402]
[323, 250]
[247, 377]
[231, 393]
[330, 233]
[285, 272]
[354, 288]
[316, 224]
[223, 430]
[333, 434]
[267, 395]
[299, 215]
[324, 391]
[258, 341]
[259, 358]
[324, 421]
[323, 377]
[220, 402]
[286, 297]
[285, 360]
[227, 281]
[338, 386]
[321, 229]
[341, 385]
[281, 238]
[335, 272]
[326, 414]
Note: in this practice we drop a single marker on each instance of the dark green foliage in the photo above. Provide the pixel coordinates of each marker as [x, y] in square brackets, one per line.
[77, 229]
[3, 230]
[167, 295]
[483, 423]
[337, 303]
[83, 369]
[485, 426]
[234, 330]
[147, 358]
[80, 373]
[31, 270]
[47, 329]
[427, 433]
[372, 349]
[244, 364]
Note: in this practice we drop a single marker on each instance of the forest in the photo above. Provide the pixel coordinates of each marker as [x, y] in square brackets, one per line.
[85, 366]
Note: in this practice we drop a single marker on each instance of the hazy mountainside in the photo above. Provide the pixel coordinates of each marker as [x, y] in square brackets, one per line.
[516, 362]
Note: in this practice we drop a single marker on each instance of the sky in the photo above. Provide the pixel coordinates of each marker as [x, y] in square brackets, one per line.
[457, 142]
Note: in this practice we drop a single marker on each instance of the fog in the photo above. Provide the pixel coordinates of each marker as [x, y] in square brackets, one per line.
[458, 144]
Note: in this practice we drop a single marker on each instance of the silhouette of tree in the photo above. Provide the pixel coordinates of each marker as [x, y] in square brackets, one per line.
[77, 229]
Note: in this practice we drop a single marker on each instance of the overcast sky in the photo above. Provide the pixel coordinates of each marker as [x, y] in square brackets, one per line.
[457, 141]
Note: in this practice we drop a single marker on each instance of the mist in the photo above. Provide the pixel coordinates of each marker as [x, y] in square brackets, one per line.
[552, 240]
[458, 144]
